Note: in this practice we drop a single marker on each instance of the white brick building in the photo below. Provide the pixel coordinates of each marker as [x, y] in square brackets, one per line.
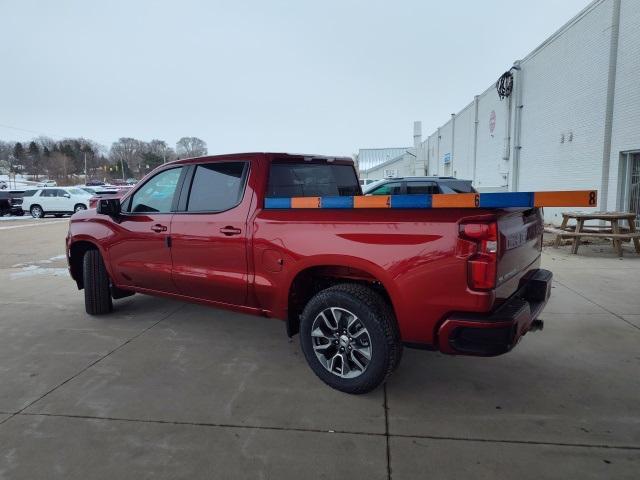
[572, 120]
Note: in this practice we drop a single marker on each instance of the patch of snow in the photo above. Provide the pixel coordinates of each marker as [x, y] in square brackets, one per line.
[34, 270]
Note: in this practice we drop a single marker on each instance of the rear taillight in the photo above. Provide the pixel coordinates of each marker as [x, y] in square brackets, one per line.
[482, 265]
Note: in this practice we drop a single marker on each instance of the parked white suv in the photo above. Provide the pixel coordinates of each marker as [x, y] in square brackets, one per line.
[55, 201]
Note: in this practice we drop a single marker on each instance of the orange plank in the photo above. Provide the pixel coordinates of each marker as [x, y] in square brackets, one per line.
[371, 201]
[577, 198]
[459, 200]
[305, 202]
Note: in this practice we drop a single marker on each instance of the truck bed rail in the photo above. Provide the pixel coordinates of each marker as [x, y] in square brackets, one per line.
[568, 198]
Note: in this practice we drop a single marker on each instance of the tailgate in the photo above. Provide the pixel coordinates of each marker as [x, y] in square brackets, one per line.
[520, 245]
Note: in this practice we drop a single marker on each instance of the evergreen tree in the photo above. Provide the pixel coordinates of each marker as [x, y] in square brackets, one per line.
[18, 158]
[34, 163]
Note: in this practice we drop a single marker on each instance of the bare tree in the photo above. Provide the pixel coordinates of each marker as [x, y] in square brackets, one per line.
[191, 147]
[128, 151]
[160, 149]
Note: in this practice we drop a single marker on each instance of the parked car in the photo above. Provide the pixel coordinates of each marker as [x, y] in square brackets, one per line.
[55, 201]
[94, 183]
[356, 284]
[418, 185]
[112, 192]
[47, 183]
[366, 181]
[11, 202]
[98, 189]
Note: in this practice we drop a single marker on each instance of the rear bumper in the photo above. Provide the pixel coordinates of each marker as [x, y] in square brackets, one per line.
[497, 332]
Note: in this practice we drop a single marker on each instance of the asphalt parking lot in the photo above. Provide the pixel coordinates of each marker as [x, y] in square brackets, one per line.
[162, 389]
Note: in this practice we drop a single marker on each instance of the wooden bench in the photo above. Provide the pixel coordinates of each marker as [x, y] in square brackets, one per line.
[614, 232]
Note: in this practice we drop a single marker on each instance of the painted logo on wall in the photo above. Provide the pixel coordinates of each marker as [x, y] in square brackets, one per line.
[492, 121]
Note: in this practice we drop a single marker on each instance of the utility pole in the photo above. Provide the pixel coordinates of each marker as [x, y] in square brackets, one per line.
[85, 168]
[122, 165]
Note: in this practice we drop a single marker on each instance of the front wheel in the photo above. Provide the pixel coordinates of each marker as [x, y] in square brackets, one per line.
[37, 212]
[97, 294]
[349, 338]
[79, 207]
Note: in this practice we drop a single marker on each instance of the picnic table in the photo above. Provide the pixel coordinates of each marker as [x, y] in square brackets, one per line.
[612, 229]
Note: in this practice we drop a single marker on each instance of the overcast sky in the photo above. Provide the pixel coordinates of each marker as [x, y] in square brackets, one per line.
[319, 76]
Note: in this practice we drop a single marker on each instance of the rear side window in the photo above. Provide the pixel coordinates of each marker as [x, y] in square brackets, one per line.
[460, 186]
[312, 180]
[217, 187]
[422, 187]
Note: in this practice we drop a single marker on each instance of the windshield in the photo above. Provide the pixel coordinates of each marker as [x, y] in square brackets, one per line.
[76, 191]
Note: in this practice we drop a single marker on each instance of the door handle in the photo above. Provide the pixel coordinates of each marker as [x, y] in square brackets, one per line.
[228, 230]
[159, 228]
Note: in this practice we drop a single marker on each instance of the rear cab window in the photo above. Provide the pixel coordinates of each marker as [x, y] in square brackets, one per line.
[312, 179]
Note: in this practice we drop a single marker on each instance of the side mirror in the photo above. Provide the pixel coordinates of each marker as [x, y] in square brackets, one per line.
[109, 206]
[66, 195]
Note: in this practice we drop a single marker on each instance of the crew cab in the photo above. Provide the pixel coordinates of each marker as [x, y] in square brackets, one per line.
[357, 284]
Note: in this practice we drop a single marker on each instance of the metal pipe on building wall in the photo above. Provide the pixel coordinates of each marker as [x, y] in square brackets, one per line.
[438, 151]
[517, 124]
[453, 143]
[476, 101]
[611, 90]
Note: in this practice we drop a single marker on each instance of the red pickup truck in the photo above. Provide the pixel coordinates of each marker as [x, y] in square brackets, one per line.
[356, 284]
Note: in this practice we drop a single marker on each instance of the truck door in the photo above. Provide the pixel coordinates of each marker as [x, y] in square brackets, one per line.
[141, 256]
[209, 236]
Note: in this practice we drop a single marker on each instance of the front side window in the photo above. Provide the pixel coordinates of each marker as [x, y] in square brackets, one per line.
[217, 187]
[312, 180]
[392, 188]
[156, 195]
[29, 193]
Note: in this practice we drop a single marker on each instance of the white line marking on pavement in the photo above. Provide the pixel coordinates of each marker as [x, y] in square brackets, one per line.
[32, 224]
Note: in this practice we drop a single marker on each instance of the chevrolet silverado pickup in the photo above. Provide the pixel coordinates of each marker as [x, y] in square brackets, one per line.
[357, 284]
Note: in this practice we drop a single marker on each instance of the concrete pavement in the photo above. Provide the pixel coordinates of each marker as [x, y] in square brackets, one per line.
[162, 389]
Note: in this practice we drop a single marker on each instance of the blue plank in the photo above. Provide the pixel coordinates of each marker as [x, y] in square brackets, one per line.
[336, 202]
[506, 199]
[411, 201]
[277, 202]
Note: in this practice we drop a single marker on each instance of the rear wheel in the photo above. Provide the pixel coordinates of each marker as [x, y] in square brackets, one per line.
[36, 211]
[97, 295]
[349, 338]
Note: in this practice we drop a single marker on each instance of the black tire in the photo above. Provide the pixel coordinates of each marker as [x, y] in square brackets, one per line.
[97, 294]
[375, 315]
[79, 207]
[36, 211]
